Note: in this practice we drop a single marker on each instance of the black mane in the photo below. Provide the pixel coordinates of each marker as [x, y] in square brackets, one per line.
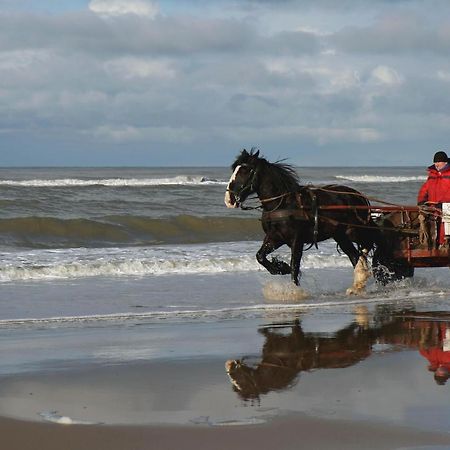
[282, 175]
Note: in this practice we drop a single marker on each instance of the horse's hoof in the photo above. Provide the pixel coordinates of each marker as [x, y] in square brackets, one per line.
[354, 291]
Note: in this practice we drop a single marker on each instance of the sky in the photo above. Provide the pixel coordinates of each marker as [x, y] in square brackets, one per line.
[192, 82]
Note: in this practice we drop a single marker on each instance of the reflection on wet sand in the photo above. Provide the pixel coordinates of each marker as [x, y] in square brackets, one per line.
[288, 350]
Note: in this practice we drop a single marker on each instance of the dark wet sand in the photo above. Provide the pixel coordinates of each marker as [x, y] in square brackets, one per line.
[293, 432]
[364, 394]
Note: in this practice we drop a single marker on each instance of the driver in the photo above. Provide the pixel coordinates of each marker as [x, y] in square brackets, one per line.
[436, 190]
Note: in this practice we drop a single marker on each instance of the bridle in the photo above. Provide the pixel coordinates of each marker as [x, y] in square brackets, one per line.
[249, 184]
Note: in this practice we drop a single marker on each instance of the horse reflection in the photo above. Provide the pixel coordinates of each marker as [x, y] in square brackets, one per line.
[288, 350]
[284, 356]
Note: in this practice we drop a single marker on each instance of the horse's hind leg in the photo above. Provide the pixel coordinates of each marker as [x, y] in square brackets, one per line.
[275, 266]
[346, 245]
[361, 272]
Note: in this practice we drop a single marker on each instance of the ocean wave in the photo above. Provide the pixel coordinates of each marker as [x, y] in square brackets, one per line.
[116, 266]
[380, 178]
[51, 232]
[136, 267]
[114, 182]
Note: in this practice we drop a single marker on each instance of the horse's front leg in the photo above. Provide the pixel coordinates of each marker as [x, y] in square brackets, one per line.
[275, 266]
[296, 257]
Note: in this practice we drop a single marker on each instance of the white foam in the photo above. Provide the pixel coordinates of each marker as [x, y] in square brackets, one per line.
[129, 268]
[142, 261]
[54, 417]
[114, 182]
[380, 178]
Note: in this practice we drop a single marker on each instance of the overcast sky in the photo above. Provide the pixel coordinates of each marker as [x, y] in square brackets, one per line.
[191, 82]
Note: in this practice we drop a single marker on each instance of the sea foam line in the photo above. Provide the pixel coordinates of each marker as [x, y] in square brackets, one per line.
[144, 267]
[221, 313]
[380, 178]
[113, 268]
[114, 182]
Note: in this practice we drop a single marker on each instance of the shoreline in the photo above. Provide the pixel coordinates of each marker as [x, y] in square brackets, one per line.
[291, 432]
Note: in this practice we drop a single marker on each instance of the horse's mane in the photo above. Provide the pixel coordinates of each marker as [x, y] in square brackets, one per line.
[283, 175]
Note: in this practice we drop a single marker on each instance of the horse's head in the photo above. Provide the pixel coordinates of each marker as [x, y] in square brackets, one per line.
[243, 180]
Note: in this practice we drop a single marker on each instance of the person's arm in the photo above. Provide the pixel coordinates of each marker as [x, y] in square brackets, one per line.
[422, 196]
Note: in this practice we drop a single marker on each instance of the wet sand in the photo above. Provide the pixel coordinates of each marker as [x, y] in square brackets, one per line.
[352, 378]
[287, 433]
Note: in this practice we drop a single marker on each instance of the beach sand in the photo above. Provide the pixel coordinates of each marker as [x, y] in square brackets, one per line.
[294, 432]
[164, 386]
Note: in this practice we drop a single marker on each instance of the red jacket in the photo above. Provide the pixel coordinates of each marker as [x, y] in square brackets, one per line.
[436, 357]
[437, 187]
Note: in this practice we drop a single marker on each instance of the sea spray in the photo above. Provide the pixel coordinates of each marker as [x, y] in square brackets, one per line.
[284, 292]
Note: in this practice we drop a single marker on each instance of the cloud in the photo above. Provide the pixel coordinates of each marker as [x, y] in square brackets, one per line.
[128, 133]
[131, 73]
[120, 7]
[130, 68]
[319, 136]
[131, 34]
[386, 76]
[405, 33]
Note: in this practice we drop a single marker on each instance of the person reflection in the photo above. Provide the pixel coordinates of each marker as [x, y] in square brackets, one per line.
[285, 355]
[436, 349]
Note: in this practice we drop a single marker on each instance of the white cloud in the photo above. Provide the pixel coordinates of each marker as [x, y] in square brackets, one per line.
[386, 76]
[120, 7]
[129, 133]
[319, 135]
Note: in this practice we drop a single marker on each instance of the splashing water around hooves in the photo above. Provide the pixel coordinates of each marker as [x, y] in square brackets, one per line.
[277, 291]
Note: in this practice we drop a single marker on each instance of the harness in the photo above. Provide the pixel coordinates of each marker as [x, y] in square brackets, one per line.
[309, 211]
[302, 212]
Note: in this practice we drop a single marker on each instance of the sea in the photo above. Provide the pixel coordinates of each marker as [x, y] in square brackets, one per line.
[119, 244]
[120, 265]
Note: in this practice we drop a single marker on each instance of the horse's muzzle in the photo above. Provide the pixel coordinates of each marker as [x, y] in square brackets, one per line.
[230, 200]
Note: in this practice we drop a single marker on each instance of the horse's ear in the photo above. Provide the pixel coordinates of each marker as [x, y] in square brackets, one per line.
[245, 152]
[256, 154]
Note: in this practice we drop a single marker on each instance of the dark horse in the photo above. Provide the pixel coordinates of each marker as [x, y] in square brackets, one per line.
[296, 215]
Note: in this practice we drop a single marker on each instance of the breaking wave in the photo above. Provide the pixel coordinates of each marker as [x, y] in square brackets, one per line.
[113, 182]
[380, 178]
[138, 267]
[205, 259]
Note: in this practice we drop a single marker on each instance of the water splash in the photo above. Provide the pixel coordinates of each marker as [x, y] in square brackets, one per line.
[284, 292]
